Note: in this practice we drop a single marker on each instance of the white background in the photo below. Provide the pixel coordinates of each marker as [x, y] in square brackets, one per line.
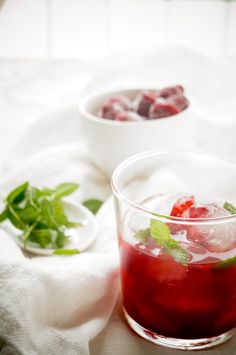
[90, 29]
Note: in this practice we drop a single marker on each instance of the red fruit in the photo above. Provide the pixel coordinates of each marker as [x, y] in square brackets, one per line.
[122, 116]
[110, 110]
[161, 110]
[179, 101]
[143, 102]
[123, 101]
[182, 206]
[171, 90]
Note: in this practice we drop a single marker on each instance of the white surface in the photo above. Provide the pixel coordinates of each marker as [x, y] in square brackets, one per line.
[52, 85]
[23, 28]
[93, 28]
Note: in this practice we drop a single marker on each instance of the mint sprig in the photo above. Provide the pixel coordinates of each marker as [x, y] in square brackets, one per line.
[39, 214]
[160, 232]
[229, 207]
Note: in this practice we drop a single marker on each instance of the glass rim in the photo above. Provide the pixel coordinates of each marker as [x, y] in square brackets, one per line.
[160, 216]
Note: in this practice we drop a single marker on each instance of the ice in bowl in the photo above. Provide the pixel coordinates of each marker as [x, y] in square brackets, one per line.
[177, 252]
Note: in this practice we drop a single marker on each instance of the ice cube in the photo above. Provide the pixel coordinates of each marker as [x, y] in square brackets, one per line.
[219, 237]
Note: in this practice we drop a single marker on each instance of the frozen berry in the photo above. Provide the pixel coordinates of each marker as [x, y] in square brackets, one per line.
[182, 205]
[161, 110]
[110, 110]
[171, 90]
[179, 101]
[143, 102]
[122, 116]
[123, 101]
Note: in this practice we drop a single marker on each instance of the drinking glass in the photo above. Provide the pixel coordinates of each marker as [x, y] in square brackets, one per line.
[176, 227]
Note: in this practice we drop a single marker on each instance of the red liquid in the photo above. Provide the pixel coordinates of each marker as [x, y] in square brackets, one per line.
[170, 299]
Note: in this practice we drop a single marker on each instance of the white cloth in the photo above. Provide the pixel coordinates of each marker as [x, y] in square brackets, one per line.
[56, 305]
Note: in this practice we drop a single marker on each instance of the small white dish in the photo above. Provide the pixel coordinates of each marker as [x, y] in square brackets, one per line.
[110, 142]
[80, 237]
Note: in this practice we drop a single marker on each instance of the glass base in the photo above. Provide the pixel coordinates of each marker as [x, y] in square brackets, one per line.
[184, 344]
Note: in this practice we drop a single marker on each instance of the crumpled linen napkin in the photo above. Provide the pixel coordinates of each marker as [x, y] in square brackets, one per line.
[56, 305]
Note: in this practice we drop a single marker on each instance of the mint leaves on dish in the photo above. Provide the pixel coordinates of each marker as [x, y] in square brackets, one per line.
[93, 204]
[160, 232]
[39, 214]
[229, 207]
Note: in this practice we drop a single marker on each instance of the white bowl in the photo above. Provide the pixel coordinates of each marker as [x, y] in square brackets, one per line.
[110, 142]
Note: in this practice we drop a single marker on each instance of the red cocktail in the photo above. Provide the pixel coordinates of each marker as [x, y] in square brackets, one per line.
[178, 269]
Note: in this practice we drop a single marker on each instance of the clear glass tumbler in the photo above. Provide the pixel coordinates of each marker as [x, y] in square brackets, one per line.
[176, 220]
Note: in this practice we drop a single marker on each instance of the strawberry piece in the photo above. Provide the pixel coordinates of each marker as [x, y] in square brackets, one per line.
[110, 110]
[143, 102]
[123, 101]
[113, 107]
[122, 116]
[161, 110]
[171, 91]
[181, 102]
[182, 206]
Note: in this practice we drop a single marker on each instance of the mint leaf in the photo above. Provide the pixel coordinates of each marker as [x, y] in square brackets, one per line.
[229, 207]
[18, 194]
[66, 252]
[62, 239]
[65, 189]
[14, 217]
[93, 204]
[177, 252]
[44, 237]
[28, 214]
[3, 215]
[226, 263]
[160, 232]
[142, 235]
